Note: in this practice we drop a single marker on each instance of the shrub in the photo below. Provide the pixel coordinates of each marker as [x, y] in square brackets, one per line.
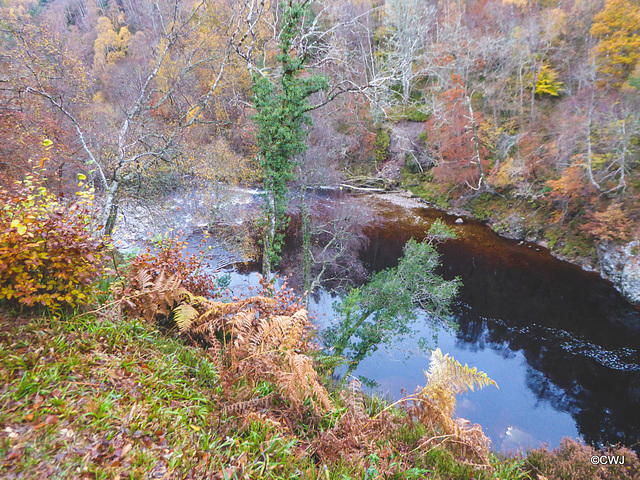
[381, 145]
[167, 261]
[50, 254]
[572, 461]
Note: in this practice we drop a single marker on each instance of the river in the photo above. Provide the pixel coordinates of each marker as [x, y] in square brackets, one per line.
[562, 343]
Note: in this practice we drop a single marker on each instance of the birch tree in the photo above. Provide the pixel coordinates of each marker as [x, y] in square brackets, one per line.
[141, 136]
[408, 24]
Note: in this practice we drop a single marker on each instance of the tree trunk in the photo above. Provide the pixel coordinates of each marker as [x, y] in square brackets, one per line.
[268, 235]
[109, 210]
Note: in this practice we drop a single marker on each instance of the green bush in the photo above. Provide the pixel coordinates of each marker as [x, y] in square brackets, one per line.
[381, 145]
[50, 254]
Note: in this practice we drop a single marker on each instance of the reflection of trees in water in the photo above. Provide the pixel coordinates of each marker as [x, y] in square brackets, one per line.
[604, 402]
[336, 238]
[570, 324]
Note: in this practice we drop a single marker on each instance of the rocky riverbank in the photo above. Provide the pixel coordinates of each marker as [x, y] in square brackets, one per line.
[618, 263]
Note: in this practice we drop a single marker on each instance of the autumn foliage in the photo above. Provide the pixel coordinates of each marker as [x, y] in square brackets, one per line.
[167, 259]
[50, 254]
[460, 156]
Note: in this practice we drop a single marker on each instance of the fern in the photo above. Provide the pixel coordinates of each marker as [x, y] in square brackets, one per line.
[447, 373]
[355, 402]
[252, 405]
[435, 403]
[279, 332]
[184, 315]
[302, 383]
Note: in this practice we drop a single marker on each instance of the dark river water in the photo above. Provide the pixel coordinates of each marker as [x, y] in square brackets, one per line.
[562, 344]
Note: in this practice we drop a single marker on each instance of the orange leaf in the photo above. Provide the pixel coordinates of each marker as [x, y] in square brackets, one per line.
[51, 419]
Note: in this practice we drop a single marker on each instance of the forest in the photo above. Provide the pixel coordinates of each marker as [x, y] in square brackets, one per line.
[521, 109]
[524, 114]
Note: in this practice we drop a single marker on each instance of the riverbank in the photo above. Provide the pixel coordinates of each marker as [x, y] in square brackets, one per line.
[530, 221]
[102, 396]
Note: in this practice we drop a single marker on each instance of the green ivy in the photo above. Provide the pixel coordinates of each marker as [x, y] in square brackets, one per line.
[282, 106]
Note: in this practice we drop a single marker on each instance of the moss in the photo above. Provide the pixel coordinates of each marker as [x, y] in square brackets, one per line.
[487, 206]
[381, 145]
[415, 115]
[552, 237]
[578, 246]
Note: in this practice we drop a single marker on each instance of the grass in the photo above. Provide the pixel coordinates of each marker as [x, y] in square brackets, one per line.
[93, 398]
[113, 398]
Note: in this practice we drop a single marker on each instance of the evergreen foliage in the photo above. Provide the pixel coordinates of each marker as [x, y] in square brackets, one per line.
[383, 310]
[283, 108]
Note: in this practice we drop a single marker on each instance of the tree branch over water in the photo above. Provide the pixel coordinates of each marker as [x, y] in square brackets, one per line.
[383, 310]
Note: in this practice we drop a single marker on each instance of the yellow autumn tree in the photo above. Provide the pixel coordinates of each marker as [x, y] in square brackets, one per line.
[110, 46]
[618, 29]
[547, 83]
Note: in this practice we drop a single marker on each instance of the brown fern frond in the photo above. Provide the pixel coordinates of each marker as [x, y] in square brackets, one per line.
[252, 405]
[355, 402]
[434, 406]
[257, 301]
[242, 329]
[472, 434]
[304, 383]
[144, 280]
[294, 329]
[154, 297]
[270, 333]
[279, 332]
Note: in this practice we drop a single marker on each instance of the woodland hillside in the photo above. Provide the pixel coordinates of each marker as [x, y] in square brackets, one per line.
[526, 112]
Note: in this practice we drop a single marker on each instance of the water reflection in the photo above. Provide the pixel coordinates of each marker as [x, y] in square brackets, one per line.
[561, 342]
[577, 338]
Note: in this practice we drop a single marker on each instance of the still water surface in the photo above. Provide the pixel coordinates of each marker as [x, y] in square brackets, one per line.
[560, 342]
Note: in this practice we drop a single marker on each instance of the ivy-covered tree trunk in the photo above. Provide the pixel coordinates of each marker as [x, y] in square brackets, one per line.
[282, 105]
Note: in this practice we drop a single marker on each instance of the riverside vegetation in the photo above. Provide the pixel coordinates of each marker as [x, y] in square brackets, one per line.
[148, 368]
[160, 374]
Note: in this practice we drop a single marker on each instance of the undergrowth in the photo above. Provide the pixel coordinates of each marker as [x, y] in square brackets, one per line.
[50, 254]
[101, 396]
[160, 382]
